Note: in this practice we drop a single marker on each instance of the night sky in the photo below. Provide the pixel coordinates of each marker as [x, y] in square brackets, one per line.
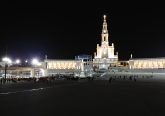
[63, 30]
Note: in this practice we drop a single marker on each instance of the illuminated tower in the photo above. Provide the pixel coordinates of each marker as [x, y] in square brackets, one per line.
[105, 32]
[105, 57]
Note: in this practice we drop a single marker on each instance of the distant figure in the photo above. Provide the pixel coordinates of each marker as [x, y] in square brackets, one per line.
[124, 78]
[110, 79]
[37, 79]
[0, 81]
[135, 79]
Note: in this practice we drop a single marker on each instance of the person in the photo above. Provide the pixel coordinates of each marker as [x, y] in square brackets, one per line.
[124, 77]
[134, 79]
[1, 80]
[110, 79]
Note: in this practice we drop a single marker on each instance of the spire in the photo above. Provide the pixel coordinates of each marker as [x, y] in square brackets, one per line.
[104, 17]
[104, 30]
[131, 56]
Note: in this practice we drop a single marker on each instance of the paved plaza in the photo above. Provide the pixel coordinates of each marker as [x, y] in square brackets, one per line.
[84, 97]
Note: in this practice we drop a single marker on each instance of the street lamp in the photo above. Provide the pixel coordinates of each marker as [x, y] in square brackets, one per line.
[7, 61]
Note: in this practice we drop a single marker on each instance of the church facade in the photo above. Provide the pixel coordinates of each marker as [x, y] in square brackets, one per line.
[105, 56]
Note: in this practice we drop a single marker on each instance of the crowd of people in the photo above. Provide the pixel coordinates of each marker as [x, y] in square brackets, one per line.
[31, 79]
[128, 77]
[58, 77]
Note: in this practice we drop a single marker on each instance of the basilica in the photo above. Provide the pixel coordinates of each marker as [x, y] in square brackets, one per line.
[105, 56]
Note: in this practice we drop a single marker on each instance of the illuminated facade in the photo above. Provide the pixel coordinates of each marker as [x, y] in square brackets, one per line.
[61, 64]
[56, 66]
[105, 56]
[22, 72]
[147, 63]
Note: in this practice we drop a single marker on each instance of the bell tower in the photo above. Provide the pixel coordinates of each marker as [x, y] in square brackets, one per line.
[104, 32]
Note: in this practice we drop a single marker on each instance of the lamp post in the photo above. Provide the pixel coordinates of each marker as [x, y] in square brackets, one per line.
[6, 65]
[17, 64]
[7, 61]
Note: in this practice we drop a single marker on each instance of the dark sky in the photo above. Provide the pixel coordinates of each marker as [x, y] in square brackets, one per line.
[65, 29]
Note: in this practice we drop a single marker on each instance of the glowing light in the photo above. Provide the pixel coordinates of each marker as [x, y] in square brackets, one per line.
[36, 62]
[17, 61]
[7, 60]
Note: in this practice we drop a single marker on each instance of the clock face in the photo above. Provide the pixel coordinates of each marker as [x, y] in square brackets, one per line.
[104, 31]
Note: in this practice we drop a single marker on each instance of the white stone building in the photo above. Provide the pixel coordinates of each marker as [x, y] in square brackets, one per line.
[62, 66]
[105, 56]
[147, 63]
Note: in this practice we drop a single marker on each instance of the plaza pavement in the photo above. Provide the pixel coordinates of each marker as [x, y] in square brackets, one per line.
[84, 97]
